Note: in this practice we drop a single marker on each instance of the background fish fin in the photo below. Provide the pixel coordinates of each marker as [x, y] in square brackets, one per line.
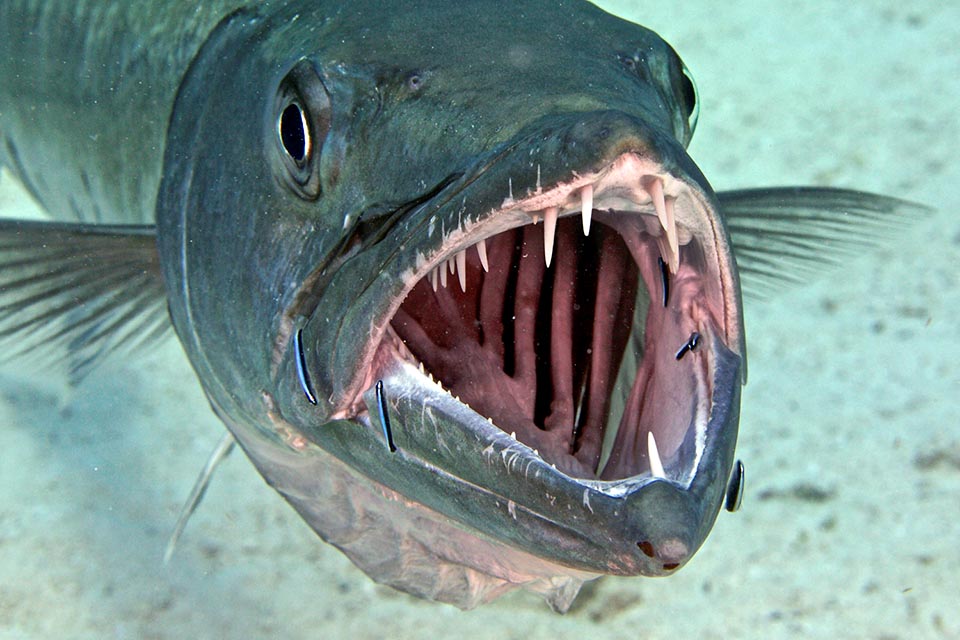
[219, 454]
[72, 294]
[783, 235]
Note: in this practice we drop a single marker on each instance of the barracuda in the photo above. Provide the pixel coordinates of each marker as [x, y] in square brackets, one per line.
[445, 270]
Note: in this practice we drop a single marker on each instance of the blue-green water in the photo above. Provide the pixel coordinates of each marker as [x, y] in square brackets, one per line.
[850, 429]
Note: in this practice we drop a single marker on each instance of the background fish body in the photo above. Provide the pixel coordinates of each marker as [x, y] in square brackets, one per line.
[310, 172]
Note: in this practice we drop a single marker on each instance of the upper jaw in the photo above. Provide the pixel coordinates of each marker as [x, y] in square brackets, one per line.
[621, 159]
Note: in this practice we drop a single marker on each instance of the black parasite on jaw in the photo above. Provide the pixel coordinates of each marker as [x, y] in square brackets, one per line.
[664, 280]
[690, 345]
[302, 374]
[384, 417]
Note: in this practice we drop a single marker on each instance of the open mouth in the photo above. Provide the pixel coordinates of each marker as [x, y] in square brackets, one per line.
[580, 320]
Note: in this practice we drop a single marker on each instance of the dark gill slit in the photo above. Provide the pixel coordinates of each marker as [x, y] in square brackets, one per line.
[508, 334]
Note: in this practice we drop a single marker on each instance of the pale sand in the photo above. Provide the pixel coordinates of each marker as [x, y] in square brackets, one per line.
[851, 523]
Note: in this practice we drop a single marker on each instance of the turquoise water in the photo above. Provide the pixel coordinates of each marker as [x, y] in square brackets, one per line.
[849, 433]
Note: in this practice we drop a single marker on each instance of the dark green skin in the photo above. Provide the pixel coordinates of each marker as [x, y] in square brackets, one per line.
[434, 104]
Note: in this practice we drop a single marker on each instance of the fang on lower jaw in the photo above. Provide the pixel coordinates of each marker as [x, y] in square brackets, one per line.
[656, 466]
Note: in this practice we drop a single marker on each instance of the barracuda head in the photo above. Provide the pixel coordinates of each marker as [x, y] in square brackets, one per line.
[479, 320]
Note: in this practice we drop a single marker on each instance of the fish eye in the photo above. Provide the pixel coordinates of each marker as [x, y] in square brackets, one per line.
[691, 101]
[294, 132]
[302, 114]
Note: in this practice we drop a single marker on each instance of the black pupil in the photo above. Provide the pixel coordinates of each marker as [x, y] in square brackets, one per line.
[293, 133]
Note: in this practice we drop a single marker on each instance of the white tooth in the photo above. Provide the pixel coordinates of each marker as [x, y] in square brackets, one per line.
[462, 269]
[434, 277]
[549, 232]
[452, 265]
[654, 187]
[586, 196]
[443, 274]
[656, 466]
[482, 252]
[536, 219]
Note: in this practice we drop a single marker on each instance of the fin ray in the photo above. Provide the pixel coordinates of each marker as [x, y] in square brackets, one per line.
[78, 293]
[782, 235]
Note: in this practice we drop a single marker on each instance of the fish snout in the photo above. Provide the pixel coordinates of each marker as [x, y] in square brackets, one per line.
[665, 523]
[598, 137]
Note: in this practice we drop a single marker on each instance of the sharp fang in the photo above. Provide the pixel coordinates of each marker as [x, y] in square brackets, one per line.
[656, 466]
[452, 264]
[654, 187]
[462, 269]
[442, 268]
[586, 196]
[434, 278]
[549, 232]
[482, 252]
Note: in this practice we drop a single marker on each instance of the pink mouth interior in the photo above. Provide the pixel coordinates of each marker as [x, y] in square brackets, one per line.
[538, 349]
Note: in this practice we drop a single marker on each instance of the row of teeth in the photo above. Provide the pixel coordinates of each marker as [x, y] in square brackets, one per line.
[455, 265]
[656, 464]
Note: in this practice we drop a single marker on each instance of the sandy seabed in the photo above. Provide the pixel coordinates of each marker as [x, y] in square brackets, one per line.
[850, 428]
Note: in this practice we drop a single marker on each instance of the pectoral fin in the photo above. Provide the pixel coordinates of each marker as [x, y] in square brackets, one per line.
[782, 235]
[77, 293]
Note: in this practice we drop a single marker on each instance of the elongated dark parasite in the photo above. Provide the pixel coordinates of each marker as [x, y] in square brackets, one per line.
[690, 345]
[664, 280]
[384, 417]
[302, 375]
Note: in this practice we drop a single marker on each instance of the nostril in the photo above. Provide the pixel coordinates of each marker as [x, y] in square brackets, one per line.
[671, 552]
